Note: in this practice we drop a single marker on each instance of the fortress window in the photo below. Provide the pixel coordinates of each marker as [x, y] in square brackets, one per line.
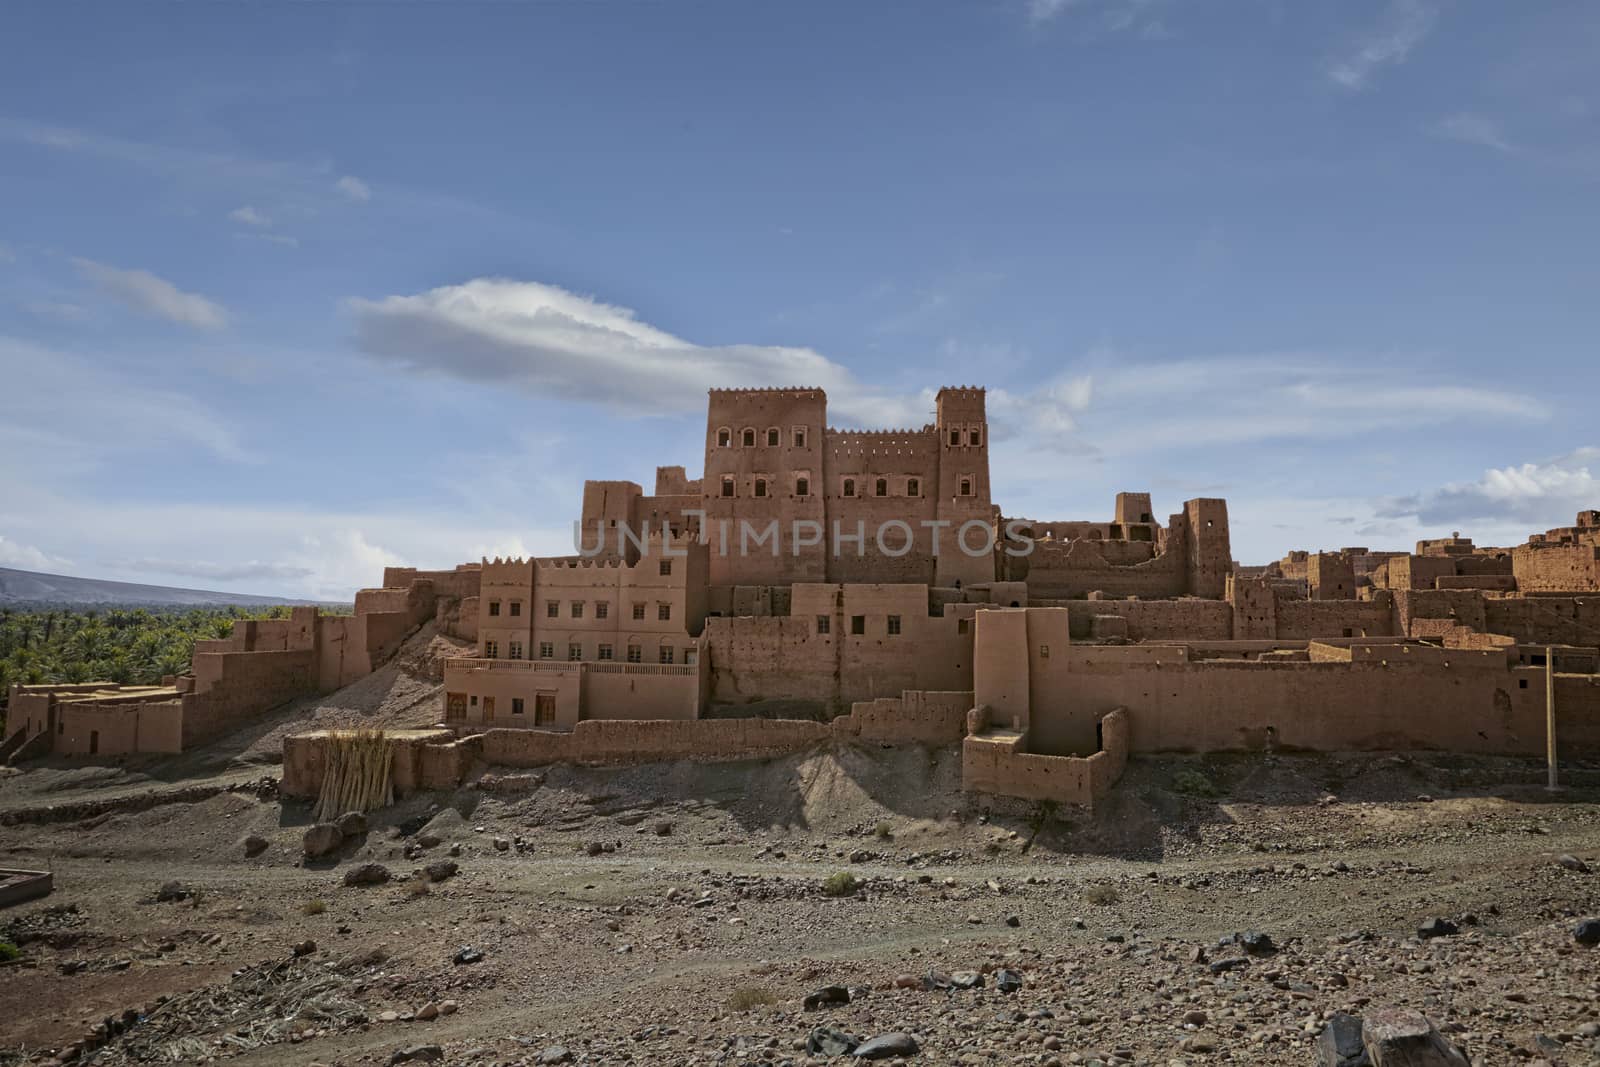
[975, 437]
[913, 487]
[955, 437]
[665, 567]
[574, 651]
[601, 609]
[724, 437]
[552, 609]
[799, 437]
[966, 487]
[604, 653]
[824, 624]
[491, 650]
[547, 650]
[773, 437]
[516, 608]
[802, 487]
[638, 611]
[474, 700]
[516, 705]
[494, 607]
[666, 654]
[691, 656]
[577, 609]
[894, 625]
[858, 624]
[881, 488]
[761, 487]
[1044, 651]
[664, 612]
[962, 626]
[849, 487]
[749, 437]
[635, 654]
[727, 485]
[516, 650]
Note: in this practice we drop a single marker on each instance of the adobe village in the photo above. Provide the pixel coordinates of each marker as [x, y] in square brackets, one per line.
[823, 755]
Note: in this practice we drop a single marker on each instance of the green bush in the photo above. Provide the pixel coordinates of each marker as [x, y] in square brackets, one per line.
[843, 884]
[9, 952]
[1194, 784]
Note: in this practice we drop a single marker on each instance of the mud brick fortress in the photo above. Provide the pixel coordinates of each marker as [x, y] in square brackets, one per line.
[817, 584]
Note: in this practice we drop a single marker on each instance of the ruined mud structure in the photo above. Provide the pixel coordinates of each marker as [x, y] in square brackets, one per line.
[818, 583]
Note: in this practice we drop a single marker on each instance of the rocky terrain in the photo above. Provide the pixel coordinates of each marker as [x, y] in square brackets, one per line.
[847, 903]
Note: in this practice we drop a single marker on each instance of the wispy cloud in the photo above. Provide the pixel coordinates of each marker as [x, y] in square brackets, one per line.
[13, 554]
[1473, 129]
[249, 216]
[1141, 17]
[1542, 494]
[152, 295]
[271, 239]
[1404, 25]
[354, 188]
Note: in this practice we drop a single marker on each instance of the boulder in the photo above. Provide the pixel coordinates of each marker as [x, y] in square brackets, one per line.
[1587, 932]
[418, 1054]
[885, 1046]
[1573, 863]
[440, 871]
[255, 845]
[171, 891]
[1007, 981]
[367, 874]
[352, 824]
[322, 839]
[1397, 1037]
[1340, 1045]
[554, 1054]
[1437, 928]
[826, 1041]
[466, 954]
[827, 997]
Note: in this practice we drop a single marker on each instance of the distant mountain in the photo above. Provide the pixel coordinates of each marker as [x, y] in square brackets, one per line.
[29, 587]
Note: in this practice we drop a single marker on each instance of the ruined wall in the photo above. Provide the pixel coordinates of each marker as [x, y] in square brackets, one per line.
[1301, 620]
[1459, 700]
[232, 688]
[1556, 568]
[1152, 620]
[793, 658]
[913, 716]
[1003, 766]
[1545, 620]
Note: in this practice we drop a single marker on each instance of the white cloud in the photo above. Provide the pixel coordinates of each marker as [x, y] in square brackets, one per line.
[1539, 495]
[1112, 16]
[153, 295]
[1404, 25]
[1045, 10]
[553, 342]
[26, 557]
[354, 188]
[1473, 129]
[249, 216]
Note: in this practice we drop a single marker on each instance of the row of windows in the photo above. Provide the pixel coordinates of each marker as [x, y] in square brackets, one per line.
[774, 437]
[858, 624]
[605, 652]
[602, 610]
[850, 487]
[544, 707]
[748, 437]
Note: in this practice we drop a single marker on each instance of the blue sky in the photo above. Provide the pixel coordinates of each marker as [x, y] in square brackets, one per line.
[288, 292]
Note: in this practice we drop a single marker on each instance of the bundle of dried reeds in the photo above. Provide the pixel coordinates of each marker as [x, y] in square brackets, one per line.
[357, 774]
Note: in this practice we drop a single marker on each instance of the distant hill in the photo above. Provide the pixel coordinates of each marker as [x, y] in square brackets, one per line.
[29, 587]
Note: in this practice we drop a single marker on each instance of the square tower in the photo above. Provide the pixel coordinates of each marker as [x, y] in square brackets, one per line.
[962, 426]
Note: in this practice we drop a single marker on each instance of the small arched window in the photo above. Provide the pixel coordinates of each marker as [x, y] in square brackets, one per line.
[761, 487]
[772, 437]
[882, 487]
[727, 485]
[976, 437]
[749, 438]
[802, 487]
[966, 487]
[849, 487]
[955, 437]
[913, 487]
[724, 437]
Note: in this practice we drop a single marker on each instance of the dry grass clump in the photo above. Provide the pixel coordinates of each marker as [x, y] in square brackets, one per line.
[751, 997]
[1102, 894]
[313, 907]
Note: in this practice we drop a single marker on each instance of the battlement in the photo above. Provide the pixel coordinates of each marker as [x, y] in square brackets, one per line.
[961, 392]
[798, 392]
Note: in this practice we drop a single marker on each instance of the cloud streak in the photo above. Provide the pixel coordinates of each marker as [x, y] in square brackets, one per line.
[1475, 130]
[152, 295]
[1403, 27]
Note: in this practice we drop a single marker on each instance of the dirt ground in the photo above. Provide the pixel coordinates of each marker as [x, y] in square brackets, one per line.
[677, 913]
